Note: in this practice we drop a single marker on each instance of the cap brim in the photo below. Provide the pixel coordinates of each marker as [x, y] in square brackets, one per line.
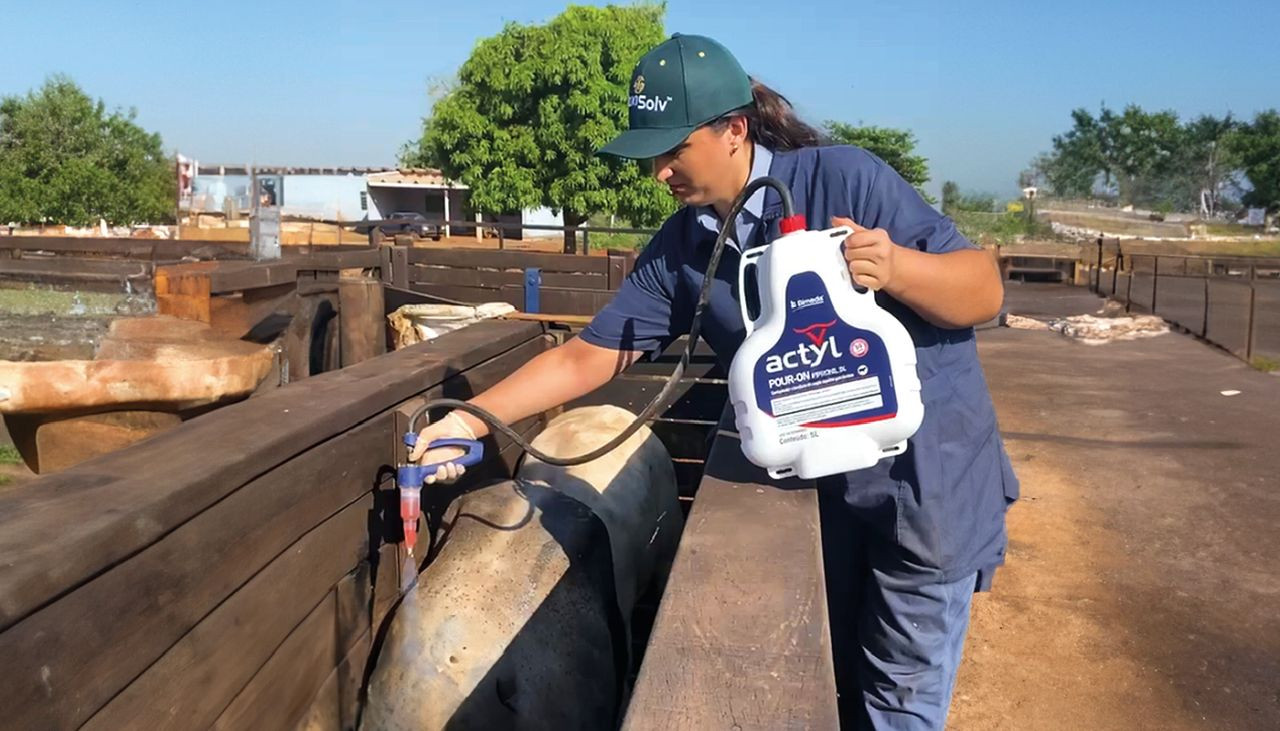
[641, 144]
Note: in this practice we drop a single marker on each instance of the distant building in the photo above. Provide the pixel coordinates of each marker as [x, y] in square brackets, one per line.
[349, 194]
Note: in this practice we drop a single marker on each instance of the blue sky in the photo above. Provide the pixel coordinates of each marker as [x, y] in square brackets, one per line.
[984, 85]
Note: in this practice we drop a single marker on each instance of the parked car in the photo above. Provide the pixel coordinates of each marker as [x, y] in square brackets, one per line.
[403, 222]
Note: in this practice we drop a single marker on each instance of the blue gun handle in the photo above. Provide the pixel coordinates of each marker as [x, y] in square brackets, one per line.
[474, 455]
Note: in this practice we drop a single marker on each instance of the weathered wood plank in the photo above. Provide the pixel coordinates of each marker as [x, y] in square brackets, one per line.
[337, 705]
[190, 685]
[146, 491]
[620, 265]
[463, 277]
[479, 258]
[472, 295]
[362, 322]
[80, 651]
[170, 586]
[296, 683]
[73, 267]
[279, 695]
[130, 248]
[741, 638]
[400, 267]
[567, 300]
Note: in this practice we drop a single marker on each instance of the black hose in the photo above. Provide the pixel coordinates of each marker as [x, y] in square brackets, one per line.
[659, 400]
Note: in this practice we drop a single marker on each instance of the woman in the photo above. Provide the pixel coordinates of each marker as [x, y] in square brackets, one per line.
[907, 542]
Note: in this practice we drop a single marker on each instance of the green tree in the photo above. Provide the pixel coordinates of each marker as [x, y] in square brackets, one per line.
[1207, 159]
[418, 153]
[1142, 151]
[65, 159]
[1078, 157]
[950, 191]
[1257, 146]
[1147, 158]
[895, 146]
[531, 107]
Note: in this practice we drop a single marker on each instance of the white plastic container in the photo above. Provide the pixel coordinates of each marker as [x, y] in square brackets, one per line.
[825, 381]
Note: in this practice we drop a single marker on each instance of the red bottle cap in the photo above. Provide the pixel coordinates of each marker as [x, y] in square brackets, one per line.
[791, 224]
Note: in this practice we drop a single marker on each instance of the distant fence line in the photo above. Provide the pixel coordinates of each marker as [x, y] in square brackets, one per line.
[1231, 301]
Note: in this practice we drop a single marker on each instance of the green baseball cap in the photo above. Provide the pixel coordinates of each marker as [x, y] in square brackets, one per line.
[680, 85]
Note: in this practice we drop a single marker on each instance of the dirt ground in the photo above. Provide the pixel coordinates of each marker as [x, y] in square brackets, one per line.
[1142, 581]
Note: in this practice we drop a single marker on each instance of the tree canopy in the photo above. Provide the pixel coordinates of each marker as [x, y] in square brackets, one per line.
[895, 146]
[65, 159]
[533, 104]
[1257, 147]
[1154, 159]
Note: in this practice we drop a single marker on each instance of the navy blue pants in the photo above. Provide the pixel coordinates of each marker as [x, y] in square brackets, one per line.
[897, 639]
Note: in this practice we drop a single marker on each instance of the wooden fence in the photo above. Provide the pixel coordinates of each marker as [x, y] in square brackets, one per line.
[115, 264]
[565, 284]
[1233, 302]
[232, 572]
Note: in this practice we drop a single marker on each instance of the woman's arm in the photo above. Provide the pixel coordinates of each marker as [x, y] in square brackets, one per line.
[551, 379]
[955, 289]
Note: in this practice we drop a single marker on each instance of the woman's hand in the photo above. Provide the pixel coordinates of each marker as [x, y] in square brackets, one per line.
[450, 427]
[870, 254]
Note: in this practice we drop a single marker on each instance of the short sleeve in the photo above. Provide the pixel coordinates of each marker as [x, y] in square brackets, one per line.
[639, 317]
[895, 206]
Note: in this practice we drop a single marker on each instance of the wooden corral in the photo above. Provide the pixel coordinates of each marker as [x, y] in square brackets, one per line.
[235, 571]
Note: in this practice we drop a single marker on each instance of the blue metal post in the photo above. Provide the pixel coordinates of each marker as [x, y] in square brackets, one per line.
[532, 285]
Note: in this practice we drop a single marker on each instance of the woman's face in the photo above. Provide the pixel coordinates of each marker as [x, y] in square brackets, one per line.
[705, 167]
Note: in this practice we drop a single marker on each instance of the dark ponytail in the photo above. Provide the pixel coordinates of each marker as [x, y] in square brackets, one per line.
[772, 122]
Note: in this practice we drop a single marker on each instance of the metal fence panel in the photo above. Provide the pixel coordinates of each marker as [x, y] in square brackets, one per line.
[1229, 314]
[1180, 300]
[1266, 319]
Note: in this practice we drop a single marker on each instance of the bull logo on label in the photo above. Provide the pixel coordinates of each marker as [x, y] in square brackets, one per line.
[859, 348]
[817, 332]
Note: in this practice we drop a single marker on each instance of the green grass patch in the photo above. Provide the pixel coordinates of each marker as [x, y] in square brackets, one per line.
[1222, 228]
[988, 229]
[628, 242]
[9, 454]
[1265, 364]
[36, 301]
[1262, 247]
[5, 480]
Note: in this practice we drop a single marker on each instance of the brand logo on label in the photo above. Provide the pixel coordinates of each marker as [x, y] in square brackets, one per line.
[800, 304]
[638, 87]
[806, 354]
[859, 348]
[816, 332]
[649, 103]
[863, 370]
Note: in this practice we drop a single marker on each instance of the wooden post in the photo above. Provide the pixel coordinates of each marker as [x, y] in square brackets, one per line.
[1115, 270]
[400, 266]
[362, 327]
[1097, 281]
[1204, 327]
[384, 264]
[586, 242]
[1253, 302]
[1128, 291]
[479, 229]
[1155, 281]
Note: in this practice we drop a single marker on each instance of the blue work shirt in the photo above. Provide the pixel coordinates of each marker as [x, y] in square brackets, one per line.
[939, 507]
